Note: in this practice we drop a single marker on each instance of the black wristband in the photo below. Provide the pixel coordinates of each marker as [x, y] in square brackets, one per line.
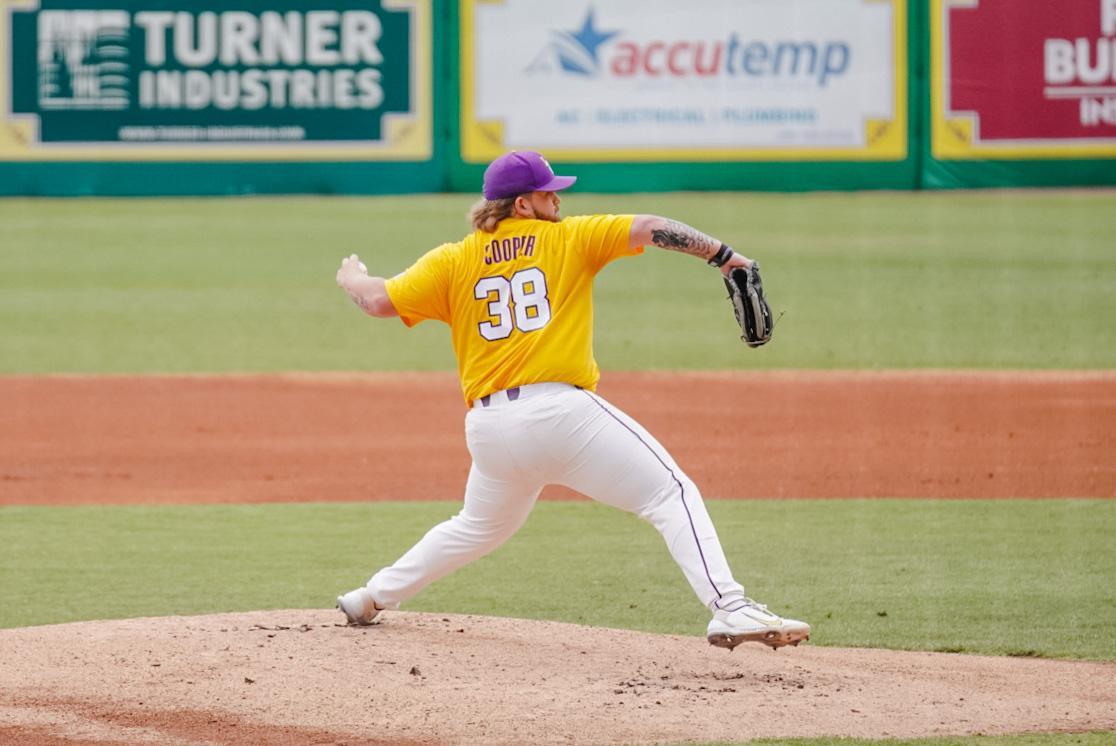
[723, 255]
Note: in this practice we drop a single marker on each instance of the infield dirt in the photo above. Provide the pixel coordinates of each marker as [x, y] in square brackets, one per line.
[333, 437]
[297, 676]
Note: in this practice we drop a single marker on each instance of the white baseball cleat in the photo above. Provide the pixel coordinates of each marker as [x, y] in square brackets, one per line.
[359, 607]
[752, 622]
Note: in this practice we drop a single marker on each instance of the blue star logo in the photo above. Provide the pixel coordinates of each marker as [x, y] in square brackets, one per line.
[590, 39]
[573, 52]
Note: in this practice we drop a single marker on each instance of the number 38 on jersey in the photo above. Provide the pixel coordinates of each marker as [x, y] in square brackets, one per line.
[519, 302]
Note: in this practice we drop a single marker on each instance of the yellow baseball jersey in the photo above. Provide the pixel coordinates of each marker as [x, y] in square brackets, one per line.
[518, 301]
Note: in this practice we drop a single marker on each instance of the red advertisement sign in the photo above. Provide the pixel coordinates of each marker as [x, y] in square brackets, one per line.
[1027, 73]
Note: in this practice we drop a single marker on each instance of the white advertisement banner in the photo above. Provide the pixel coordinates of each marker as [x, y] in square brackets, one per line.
[702, 80]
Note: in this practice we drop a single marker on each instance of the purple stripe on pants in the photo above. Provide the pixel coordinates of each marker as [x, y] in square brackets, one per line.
[681, 489]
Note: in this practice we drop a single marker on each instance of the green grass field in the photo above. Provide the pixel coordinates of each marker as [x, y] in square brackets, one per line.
[984, 280]
[972, 280]
[904, 574]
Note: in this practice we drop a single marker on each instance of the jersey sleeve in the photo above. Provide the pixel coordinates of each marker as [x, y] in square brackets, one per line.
[602, 237]
[422, 290]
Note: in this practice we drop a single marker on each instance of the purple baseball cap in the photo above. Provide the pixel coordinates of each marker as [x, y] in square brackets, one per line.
[519, 172]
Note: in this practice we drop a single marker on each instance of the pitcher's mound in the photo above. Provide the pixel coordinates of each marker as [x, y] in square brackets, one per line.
[296, 676]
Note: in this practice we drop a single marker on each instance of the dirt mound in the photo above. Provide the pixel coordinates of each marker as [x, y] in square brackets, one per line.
[297, 676]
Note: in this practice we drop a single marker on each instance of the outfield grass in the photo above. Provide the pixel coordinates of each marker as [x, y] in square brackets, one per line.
[1026, 578]
[871, 280]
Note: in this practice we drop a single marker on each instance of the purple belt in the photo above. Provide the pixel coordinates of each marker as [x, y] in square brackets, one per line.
[513, 394]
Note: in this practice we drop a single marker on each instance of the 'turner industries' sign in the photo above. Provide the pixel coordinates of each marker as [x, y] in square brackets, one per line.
[205, 74]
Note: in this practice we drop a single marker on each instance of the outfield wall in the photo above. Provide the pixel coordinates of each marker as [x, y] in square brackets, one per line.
[391, 96]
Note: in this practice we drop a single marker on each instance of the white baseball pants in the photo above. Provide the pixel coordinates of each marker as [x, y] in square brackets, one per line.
[554, 433]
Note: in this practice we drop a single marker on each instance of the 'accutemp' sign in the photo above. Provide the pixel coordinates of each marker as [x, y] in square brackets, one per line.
[139, 79]
[713, 80]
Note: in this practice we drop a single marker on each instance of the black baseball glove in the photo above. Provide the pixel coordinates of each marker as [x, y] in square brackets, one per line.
[749, 305]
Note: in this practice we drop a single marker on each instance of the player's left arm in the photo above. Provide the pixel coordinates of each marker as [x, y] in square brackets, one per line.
[652, 230]
[367, 292]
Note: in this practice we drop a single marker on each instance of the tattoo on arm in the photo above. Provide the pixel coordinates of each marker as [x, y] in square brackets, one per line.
[678, 236]
[360, 301]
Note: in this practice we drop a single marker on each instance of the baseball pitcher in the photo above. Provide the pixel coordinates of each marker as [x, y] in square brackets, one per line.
[517, 296]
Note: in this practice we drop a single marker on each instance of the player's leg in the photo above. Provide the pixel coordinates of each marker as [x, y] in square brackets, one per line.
[614, 460]
[499, 496]
[494, 510]
[619, 463]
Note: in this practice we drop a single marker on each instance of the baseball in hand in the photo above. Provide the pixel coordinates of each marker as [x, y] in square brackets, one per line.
[350, 266]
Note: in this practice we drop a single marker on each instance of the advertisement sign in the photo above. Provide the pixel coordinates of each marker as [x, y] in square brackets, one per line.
[1018, 79]
[212, 80]
[704, 80]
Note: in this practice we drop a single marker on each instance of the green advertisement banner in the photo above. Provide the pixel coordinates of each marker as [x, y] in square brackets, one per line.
[211, 80]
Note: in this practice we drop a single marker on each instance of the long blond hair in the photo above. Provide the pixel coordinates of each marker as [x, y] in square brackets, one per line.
[486, 214]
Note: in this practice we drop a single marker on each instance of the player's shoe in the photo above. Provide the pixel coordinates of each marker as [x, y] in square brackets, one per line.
[359, 607]
[752, 622]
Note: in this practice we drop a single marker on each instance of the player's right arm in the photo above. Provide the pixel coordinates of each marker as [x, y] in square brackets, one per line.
[367, 292]
[652, 230]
